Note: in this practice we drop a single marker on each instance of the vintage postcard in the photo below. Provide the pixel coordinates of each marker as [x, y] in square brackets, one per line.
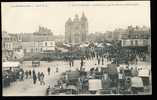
[76, 48]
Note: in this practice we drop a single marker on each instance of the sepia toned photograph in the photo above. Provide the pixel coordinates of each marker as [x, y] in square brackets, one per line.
[76, 48]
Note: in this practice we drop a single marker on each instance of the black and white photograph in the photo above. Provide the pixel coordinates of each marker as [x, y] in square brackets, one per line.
[76, 48]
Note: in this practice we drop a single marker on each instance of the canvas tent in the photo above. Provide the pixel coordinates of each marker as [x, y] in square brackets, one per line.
[95, 84]
[136, 82]
[10, 64]
[143, 73]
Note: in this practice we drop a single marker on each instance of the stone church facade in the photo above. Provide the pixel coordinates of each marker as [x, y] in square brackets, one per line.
[76, 30]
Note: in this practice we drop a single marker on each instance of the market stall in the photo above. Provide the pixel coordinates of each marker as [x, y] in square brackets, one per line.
[95, 85]
[137, 85]
[10, 72]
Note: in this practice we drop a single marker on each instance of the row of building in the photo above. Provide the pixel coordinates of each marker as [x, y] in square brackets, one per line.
[131, 36]
[136, 36]
[37, 42]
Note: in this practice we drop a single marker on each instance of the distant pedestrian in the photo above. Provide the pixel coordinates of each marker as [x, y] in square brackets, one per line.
[102, 60]
[98, 60]
[26, 73]
[30, 73]
[48, 70]
[21, 73]
[81, 64]
[34, 78]
[72, 62]
[33, 71]
[42, 78]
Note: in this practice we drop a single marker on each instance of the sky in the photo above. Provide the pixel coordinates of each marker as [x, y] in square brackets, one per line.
[102, 16]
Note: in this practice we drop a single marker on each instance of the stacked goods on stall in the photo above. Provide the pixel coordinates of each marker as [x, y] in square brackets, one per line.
[71, 89]
[71, 81]
[67, 84]
[72, 77]
[144, 74]
[137, 85]
[10, 72]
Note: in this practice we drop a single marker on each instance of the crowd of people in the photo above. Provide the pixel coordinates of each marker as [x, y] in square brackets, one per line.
[31, 74]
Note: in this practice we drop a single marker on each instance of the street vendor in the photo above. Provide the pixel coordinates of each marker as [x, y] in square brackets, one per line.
[21, 74]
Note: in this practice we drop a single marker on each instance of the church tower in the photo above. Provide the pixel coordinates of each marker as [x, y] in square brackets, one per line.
[76, 29]
[68, 31]
[84, 27]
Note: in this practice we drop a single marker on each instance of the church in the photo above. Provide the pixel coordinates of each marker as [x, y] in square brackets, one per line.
[76, 30]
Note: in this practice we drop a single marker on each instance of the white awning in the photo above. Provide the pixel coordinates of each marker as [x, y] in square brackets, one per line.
[100, 45]
[84, 45]
[108, 44]
[143, 73]
[136, 82]
[67, 45]
[95, 84]
[10, 64]
[49, 49]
